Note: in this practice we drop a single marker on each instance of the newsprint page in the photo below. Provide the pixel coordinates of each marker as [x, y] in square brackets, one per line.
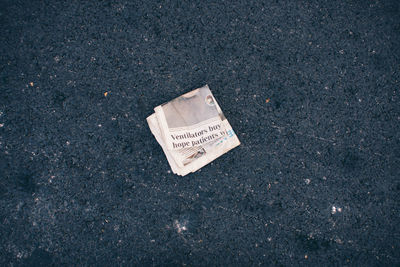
[192, 130]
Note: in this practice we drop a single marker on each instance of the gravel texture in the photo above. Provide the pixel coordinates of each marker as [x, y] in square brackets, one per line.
[310, 87]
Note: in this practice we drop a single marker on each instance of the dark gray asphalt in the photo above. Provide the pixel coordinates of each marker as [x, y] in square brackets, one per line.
[310, 87]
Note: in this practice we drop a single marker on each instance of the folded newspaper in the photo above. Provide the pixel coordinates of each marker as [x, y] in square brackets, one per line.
[192, 130]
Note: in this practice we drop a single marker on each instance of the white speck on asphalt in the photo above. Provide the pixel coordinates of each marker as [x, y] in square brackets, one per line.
[335, 209]
[180, 226]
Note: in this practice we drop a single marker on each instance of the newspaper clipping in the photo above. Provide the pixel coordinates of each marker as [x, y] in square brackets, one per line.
[192, 130]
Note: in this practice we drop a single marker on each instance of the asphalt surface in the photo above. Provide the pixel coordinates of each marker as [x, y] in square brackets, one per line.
[310, 87]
